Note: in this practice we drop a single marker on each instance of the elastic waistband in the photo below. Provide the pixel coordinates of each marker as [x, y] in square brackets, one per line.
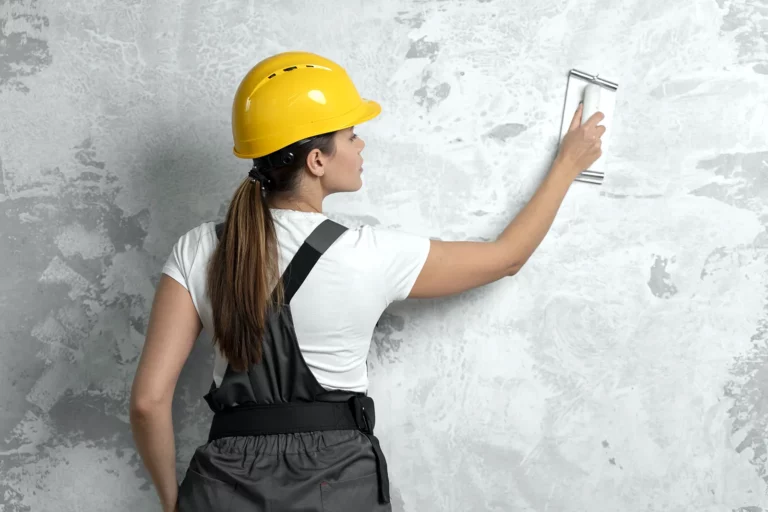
[356, 413]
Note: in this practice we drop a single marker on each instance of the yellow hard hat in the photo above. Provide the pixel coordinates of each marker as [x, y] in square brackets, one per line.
[292, 96]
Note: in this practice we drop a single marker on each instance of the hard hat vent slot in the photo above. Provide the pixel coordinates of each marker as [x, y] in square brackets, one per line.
[286, 70]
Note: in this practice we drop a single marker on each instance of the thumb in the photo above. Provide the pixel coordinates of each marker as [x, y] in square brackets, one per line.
[576, 121]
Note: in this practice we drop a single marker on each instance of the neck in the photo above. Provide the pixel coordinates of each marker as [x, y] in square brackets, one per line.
[298, 204]
[307, 197]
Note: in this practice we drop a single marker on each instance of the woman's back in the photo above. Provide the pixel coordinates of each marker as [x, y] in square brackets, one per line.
[337, 307]
[278, 440]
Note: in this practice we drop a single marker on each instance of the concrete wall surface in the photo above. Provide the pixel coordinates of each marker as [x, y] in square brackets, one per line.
[624, 368]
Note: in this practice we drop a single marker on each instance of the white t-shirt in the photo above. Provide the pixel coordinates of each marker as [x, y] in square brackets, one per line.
[336, 309]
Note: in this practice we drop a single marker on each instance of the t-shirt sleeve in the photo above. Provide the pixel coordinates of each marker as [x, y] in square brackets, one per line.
[182, 256]
[399, 259]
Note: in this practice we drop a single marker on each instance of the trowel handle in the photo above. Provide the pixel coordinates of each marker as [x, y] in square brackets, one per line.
[591, 102]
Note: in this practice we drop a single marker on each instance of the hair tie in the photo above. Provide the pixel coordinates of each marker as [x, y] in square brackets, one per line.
[256, 174]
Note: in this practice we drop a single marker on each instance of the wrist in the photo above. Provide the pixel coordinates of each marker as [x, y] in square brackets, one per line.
[562, 172]
[169, 498]
[169, 506]
[562, 167]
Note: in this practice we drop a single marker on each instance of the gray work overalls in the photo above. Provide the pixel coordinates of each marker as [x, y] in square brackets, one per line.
[279, 442]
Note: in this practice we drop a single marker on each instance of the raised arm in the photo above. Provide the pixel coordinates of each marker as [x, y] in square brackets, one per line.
[454, 267]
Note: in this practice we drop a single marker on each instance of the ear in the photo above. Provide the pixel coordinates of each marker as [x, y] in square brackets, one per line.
[316, 162]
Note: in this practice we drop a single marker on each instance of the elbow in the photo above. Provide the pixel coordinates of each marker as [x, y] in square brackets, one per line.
[508, 260]
[514, 268]
[142, 408]
[139, 410]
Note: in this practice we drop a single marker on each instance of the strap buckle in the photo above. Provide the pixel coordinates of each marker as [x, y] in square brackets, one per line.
[364, 413]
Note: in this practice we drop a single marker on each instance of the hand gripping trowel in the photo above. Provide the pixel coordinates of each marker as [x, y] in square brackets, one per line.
[598, 94]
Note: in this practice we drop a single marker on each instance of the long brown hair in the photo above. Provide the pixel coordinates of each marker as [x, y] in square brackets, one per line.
[243, 273]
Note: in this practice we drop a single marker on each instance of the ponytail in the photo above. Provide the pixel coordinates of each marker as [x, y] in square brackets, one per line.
[243, 279]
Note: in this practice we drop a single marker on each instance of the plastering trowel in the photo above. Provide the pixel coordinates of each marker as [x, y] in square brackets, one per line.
[598, 94]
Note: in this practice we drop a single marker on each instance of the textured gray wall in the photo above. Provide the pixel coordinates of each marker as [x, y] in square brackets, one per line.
[623, 369]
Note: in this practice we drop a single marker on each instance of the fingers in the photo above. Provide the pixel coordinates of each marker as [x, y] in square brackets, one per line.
[595, 133]
[594, 119]
[576, 121]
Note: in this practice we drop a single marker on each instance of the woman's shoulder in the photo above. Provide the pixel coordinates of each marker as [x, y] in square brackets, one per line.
[201, 236]
[201, 231]
[368, 234]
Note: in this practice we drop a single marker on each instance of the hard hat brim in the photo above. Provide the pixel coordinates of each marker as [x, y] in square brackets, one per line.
[365, 111]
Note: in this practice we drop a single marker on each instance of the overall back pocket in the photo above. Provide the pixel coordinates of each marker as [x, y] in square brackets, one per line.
[359, 495]
[198, 493]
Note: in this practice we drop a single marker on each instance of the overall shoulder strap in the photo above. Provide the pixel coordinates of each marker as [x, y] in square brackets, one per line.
[310, 251]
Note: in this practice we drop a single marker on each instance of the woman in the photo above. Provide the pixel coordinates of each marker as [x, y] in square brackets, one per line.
[291, 300]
